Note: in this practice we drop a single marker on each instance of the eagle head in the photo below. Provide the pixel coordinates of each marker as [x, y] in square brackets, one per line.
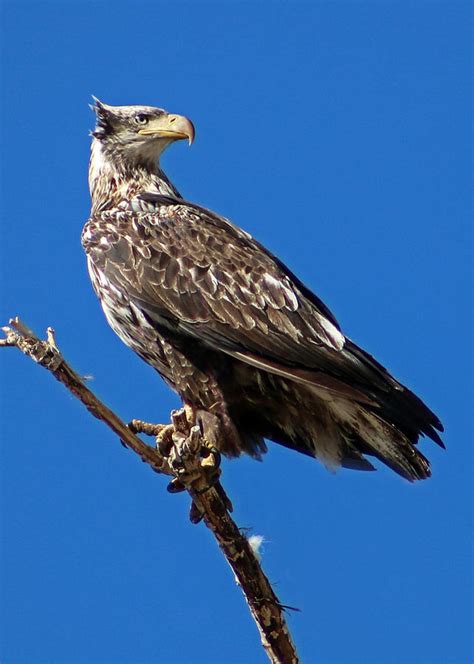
[138, 133]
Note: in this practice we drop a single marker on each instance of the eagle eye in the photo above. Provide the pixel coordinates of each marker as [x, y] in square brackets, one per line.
[141, 118]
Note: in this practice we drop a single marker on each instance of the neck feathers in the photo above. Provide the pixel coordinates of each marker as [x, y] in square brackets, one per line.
[112, 180]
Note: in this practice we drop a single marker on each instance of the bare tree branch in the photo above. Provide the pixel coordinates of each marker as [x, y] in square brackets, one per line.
[182, 454]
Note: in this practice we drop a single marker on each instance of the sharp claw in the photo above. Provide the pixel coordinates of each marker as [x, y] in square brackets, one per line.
[212, 457]
[195, 514]
[175, 486]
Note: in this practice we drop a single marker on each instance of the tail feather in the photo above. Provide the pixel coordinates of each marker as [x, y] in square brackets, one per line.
[340, 427]
[341, 432]
[376, 437]
[396, 403]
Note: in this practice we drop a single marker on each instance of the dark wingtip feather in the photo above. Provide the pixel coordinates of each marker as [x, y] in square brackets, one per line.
[438, 425]
[357, 464]
[434, 435]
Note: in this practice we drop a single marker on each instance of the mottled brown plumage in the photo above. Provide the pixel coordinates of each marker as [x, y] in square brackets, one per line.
[225, 323]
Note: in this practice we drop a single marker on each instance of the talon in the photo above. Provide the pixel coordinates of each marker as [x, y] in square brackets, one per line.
[211, 456]
[195, 514]
[175, 486]
[200, 424]
[164, 447]
[176, 464]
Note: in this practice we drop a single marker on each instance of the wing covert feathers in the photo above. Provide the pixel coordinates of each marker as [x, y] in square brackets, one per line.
[225, 322]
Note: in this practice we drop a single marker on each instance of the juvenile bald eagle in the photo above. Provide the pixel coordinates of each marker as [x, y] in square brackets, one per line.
[228, 326]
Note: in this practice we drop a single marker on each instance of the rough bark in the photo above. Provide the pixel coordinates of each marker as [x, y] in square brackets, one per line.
[182, 454]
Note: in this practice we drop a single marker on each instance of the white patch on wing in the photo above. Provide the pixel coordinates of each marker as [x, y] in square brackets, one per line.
[333, 333]
[215, 282]
[290, 298]
[271, 280]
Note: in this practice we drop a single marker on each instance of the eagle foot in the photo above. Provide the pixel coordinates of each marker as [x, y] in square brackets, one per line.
[211, 457]
[194, 461]
[196, 464]
[175, 486]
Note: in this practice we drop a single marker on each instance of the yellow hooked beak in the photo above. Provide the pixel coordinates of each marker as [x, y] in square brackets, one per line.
[175, 127]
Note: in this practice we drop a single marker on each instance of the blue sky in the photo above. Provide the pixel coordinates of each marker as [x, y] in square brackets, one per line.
[337, 134]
